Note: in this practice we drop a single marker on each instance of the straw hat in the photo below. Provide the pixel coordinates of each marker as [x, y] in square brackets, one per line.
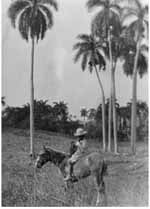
[80, 132]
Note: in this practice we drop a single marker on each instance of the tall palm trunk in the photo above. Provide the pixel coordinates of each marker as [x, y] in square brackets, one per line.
[134, 99]
[32, 102]
[114, 110]
[110, 120]
[110, 99]
[103, 109]
[84, 121]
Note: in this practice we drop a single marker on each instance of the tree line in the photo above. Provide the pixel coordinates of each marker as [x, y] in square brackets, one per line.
[56, 118]
[92, 120]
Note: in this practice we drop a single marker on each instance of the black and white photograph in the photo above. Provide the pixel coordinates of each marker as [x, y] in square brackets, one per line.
[74, 103]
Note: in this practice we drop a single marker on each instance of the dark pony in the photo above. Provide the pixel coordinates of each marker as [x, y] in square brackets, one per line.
[92, 164]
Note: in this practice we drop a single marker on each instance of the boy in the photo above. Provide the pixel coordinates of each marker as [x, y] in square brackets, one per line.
[81, 145]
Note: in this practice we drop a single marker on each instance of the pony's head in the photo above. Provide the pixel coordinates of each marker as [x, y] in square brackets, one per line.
[43, 157]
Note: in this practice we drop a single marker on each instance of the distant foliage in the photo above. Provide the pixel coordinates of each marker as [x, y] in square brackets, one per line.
[47, 117]
[94, 124]
[56, 118]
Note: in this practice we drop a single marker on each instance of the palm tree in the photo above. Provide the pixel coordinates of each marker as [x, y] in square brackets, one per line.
[32, 18]
[128, 66]
[84, 113]
[60, 110]
[88, 48]
[136, 30]
[91, 113]
[106, 25]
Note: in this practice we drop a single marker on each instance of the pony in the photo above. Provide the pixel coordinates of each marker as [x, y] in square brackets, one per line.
[92, 164]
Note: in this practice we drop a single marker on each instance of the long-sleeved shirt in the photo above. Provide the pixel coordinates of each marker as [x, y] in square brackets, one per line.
[81, 149]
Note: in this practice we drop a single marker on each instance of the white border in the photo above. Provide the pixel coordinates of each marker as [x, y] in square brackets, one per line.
[1, 130]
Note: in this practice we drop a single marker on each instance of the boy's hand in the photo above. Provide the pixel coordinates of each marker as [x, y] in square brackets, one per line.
[78, 143]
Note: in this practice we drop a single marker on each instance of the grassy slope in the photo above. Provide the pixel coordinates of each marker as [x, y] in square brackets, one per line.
[126, 184]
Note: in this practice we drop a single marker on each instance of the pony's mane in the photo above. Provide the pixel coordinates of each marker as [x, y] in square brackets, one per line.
[56, 156]
[57, 151]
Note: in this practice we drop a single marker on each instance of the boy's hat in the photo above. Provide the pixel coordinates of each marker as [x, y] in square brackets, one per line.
[80, 132]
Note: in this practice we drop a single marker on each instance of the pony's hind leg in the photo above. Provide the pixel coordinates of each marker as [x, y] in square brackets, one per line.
[101, 195]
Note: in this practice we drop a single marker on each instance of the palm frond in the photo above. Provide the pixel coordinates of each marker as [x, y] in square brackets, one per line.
[133, 4]
[91, 4]
[77, 46]
[128, 64]
[24, 23]
[133, 27]
[146, 10]
[52, 3]
[128, 36]
[84, 46]
[79, 53]
[48, 15]
[146, 23]
[142, 65]
[89, 50]
[90, 66]
[106, 50]
[147, 26]
[99, 26]
[101, 22]
[41, 20]
[114, 21]
[136, 26]
[101, 61]
[128, 13]
[83, 37]
[143, 48]
[116, 8]
[15, 9]
[138, 4]
[84, 61]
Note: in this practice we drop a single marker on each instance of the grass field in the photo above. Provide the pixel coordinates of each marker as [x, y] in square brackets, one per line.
[126, 183]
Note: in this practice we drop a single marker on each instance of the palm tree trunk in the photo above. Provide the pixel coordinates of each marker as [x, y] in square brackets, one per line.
[110, 99]
[103, 110]
[114, 110]
[110, 121]
[84, 121]
[32, 102]
[134, 100]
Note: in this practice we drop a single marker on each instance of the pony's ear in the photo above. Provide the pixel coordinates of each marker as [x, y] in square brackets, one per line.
[44, 148]
[72, 143]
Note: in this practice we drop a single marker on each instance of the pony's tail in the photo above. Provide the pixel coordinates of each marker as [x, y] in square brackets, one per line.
[104, 171]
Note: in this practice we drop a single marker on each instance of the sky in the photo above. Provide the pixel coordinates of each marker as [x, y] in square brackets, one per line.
[56, 77]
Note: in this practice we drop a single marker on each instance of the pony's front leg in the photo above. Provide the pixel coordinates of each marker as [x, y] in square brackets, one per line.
[68, 184]
[65, 185]
[101, 195]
